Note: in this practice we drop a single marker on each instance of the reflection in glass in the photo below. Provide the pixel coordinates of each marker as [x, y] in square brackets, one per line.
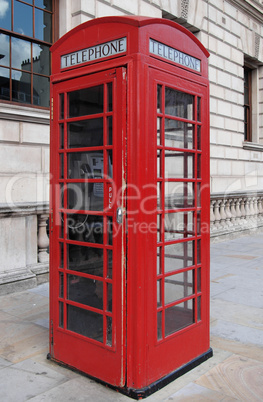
[109, 297]
[199, 280]
[177, 256]
[178, 225]
[4, 83]
[85, 133]
[179, 134]
[85, 291]
[179, 104]
[43, 25]
[198, 109]
[61, 255]
[159, 163]
[179, 286]
[41, 59]
[21, 87]
[159, 195]
[46, 4]
[61, 226]
[199, 308]
[23, 19]
[40, 91]
[179, 165]
[178, 317]
[179, 195]
[4, 52]
[85, 322]
[86, 101]
[85, 228]
[61, 166]
[21, 54]
[88, 260]
[199, 137]
[159, 128]
[110, 230]
[5, 18]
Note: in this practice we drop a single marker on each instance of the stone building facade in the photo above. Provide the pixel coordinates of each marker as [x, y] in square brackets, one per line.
[231, 30]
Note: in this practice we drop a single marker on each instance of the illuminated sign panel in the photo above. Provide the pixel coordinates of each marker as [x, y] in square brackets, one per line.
[174, 55]
[94, 53]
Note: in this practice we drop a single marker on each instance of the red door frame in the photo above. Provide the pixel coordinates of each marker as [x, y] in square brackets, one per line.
[71, 348]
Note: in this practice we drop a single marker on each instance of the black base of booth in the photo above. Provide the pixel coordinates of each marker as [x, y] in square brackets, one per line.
[154, 387]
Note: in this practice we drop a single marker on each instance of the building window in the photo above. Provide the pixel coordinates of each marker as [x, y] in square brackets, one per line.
[26, 34]
[247, 104]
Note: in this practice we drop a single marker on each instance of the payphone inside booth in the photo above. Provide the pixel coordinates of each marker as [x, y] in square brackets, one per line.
[129, 232]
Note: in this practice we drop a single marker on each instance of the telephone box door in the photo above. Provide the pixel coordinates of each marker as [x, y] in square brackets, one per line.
[178, 325]
[87, 219]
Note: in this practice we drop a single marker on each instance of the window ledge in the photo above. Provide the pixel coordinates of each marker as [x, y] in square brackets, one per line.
[253, 146]
[24, 113]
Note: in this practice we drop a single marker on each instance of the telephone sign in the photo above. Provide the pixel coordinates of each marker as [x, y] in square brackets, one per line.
[129, 243]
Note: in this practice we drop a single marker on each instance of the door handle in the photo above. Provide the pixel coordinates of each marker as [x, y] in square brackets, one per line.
[119, 216]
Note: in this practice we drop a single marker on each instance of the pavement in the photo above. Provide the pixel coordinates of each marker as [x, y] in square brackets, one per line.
[234, 373]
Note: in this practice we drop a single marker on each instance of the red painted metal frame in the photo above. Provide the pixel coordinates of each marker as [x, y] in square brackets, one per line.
[145, 360]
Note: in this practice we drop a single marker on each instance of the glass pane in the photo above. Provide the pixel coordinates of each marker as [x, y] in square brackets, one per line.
[179, 165]
[4, 83]
[88, 260]
[4, 46]
[86, 101]
[109, 166]
[159, 228]
[5, 15]
[179, 195]
[46, 4]
[61, 226]
[85, 291]
[159, 195]
[178, 225]
[21, 54]
[198, 170]
[198, 109]
[85, 322]
[110, 230]
[62, 198]
[199, 308]
[61, 249]
[109, 264]
[41, 59]
[159, 127]
[21, 87]
[178, 317]
[179, 134]
[159, 260]
[85, 133]
[41, 91]
[61, 130]
[85, 228]
[109, 297]
[109, 331]
[159, 293]
[179, 104]
[23, 19]
[159, 325]
[199, 280]
[159, 98]
[61, 285]
[178, 286]
[199, 137]
[86, 165]
[109, 128]
[61, 166]
[159, 163]
[109, 104]
[180, 255]
[43, 25]
[61, 314]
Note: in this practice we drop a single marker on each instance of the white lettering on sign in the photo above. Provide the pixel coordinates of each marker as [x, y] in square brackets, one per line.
[97, 52]
[169, 53]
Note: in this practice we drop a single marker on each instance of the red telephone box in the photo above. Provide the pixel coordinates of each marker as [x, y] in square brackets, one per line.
[129, 241]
